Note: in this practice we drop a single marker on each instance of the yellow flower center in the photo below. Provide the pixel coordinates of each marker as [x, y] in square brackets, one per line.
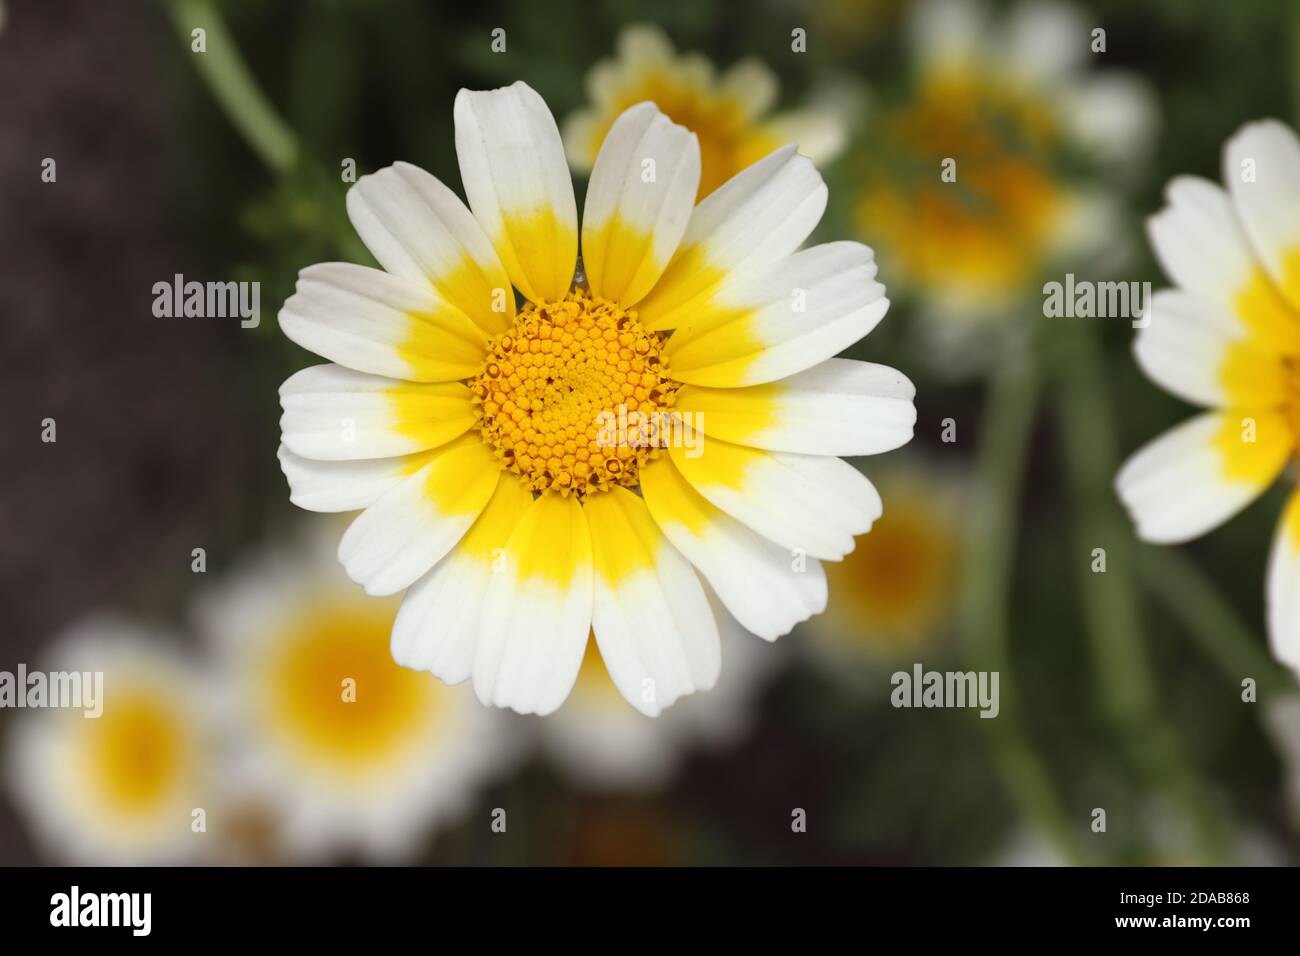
[965, 191]
[570, 397]
[334, 690]
[137, 752]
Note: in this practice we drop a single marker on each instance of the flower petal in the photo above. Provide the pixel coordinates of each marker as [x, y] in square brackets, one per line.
[419, 229]
[760, 582]
[334, 414]
[1200, 473]
[345, 485]
[1200, 243]
[1188, 349]
[652, 621]
[840, 407]
[379, 323]
[802, 311]
[1284, 587]
[759, 216]
[809, 504]
[631, 226]
[512, 164]
[537, 610]
[437, 625]
[403, 534]
[1261, 166]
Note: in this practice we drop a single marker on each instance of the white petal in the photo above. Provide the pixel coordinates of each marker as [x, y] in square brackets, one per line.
[344, 485]
[799, 312]
[419, 229]
[512, 164]
[333, 413]
[437, 626]
[839, 407]
[379, 323]
[639, 201]
[759, 216]
[652, 620]
[766, 588]
[403, 534]
[537, 611]
[1284, 587]
[1200, 473]
[1261, 166]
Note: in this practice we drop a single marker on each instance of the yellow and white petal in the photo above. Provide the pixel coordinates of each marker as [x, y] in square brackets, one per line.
[820, 132]
[333, 413]
[652, 621]
[420, 230]
[537, 610]
[1283, 598]
[401, 536]
[809, 504]
[800, 312]
[838, 407]
[767, 589]
[345, 485]
[1189, 349]
[1261, 166]
[948, 34]
[437, 625]
[1199, 241]
[512, 164]
[383, 324]
[1200, 473]
[752, 86]
[759, 216]
[638, 203]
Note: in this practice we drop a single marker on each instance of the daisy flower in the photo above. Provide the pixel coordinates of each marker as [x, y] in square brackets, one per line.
[966, 190]
[334, 746]
[121, 788]
[576, 462]
[898, 583]
[731, 114]
[602, 743]
[1227, 338]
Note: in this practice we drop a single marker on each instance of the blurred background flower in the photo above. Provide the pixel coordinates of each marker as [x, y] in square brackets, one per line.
[1133, 679]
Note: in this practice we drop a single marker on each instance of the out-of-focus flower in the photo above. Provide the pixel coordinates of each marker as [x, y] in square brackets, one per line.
[122, 788]
[729, 113]
[496, 451]
[336, 747]
[898, 584]
[1227, 338]
[970, 183]
[600, 742]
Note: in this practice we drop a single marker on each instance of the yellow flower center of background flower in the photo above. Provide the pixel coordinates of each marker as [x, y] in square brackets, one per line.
[136, 751]
[335, 691]
[567, 397]
[988, 227]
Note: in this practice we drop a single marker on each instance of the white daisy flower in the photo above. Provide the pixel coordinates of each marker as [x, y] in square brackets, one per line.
[1227, 338]
[731, 114]
[122, 788]
[335, 747]
[602, 743]
[533, 473]
[966, 186]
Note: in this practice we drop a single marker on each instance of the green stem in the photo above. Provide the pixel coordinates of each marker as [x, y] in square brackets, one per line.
[1110, 600]
[233, 86]
[986, 585]
[1186, 593]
